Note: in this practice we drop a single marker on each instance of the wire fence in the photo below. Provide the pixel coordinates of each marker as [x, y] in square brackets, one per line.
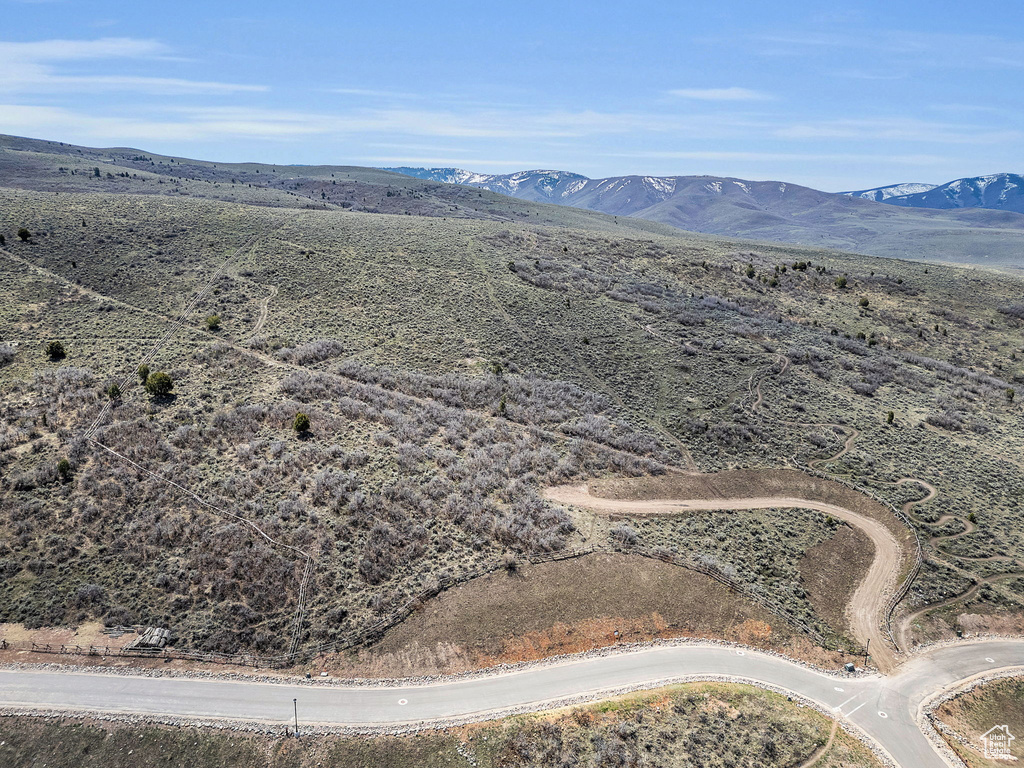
[371, 633]
[915, 568]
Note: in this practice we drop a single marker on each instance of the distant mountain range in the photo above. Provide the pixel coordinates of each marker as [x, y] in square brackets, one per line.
[768, 211]
[973, 220]
[999, 192]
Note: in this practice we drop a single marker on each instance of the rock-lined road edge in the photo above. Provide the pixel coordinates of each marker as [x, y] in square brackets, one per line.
[884, 709]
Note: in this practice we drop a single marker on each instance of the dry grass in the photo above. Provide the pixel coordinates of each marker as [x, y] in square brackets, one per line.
[971, 714]
[831, 572]
[650, 341]
[566, 607]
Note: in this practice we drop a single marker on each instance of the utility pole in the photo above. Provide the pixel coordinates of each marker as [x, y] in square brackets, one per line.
[867, 650]
[295, 703]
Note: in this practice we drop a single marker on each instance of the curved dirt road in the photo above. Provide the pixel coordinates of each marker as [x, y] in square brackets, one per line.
[868, 604]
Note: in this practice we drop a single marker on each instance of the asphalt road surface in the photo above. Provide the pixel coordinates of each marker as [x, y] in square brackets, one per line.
[885, 708]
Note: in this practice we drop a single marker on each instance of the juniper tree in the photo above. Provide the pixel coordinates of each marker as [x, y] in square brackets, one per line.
[159, 384]
[55, 350]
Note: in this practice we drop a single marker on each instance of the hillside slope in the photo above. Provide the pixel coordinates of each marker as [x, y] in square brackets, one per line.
[452, 369]
[49, 166]
[774, 211]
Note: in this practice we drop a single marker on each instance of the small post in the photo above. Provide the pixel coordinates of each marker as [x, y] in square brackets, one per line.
[295, 703]
[867, 650]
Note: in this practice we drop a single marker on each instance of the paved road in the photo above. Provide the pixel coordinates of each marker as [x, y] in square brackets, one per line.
[884, 707]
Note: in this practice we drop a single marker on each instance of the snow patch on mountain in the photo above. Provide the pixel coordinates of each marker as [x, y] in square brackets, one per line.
[663, 186]
[880, 194]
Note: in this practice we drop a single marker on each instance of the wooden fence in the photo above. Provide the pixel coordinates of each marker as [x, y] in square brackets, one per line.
[373, 632]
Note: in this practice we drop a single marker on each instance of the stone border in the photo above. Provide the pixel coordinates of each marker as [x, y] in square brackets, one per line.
[937, 732]
[985, 638]
[476, 674]
[401, 729]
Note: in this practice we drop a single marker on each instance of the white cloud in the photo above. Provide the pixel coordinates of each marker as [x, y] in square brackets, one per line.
[773, 157]
[927, 49]
[33, 68]
[77, 50]
[897, 129]
[372, 93]
[194, 123]
[36, 81]
[721, 94]
[185, 125]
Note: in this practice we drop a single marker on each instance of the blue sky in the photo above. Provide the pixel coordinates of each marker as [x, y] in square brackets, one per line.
[871, 94]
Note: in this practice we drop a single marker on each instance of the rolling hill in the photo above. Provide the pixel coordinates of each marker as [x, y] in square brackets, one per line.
[456, 353]
[772, 211]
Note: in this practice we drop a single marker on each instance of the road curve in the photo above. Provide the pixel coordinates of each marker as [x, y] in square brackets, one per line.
[884, 708]
[869, 601]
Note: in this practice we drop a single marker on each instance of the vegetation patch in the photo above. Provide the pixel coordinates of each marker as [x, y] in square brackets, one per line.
[973, 714]
[444, 390]
[831, 571]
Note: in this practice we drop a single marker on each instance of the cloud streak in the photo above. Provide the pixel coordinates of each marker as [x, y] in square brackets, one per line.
[35, 68]
[721, 94]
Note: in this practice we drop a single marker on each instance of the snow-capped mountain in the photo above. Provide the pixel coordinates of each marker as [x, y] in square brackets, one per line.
[881, 194]
[1001, 192]
[783, 212]
[538, 186]
[444, 175]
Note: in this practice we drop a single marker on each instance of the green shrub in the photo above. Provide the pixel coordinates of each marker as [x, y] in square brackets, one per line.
[213, 322]
[159, 384]
[24, 234]
[143, 373]
[301, 423]
[55, 350]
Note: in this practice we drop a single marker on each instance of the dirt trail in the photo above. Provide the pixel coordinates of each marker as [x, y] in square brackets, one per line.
[821, 751]
[264, 311]
[937, 554]
[941, 556]
[868, 604]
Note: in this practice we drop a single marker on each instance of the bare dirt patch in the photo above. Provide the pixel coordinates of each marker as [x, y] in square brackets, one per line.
[965, 619]
[567, 607]
[831, 572]
[86, 634]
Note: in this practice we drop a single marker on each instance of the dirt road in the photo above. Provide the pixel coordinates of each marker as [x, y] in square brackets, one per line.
[867, 606]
